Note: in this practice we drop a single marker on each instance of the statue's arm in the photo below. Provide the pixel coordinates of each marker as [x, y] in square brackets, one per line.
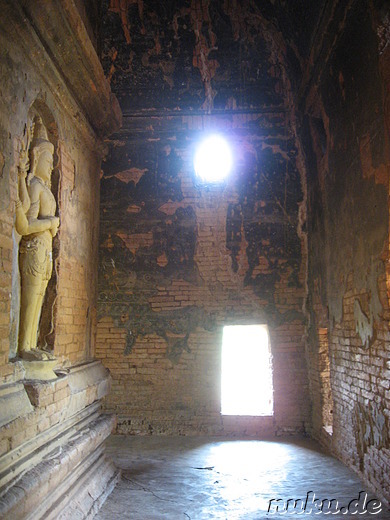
[21, 222]
[27, 226]
[29, 223]
[23, 195]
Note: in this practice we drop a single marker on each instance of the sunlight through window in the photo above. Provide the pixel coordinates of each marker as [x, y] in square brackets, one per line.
[213, 159]
[246, 378]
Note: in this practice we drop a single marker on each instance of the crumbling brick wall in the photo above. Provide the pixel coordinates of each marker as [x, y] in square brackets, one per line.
[346, 144]
[179, 259]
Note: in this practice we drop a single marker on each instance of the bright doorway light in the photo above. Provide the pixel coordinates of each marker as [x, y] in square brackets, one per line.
[246, 378]
[213, 159]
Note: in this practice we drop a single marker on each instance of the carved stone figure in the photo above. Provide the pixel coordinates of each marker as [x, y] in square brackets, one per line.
[37, 224]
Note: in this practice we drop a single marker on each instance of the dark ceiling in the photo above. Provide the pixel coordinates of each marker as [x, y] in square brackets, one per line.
[205, 54]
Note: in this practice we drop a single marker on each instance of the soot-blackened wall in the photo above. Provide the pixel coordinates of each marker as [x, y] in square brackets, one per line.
[180, 259]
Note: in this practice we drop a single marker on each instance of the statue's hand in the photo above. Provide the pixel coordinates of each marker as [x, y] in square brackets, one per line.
[23, 163]
[55, 222]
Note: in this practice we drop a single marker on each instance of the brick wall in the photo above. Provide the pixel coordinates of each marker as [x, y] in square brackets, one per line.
[179, 260]
[346, 149]
[77, 263]
[70, 314]
[52, 432]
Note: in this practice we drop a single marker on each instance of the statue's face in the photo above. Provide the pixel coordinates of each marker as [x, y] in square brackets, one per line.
[44, 166]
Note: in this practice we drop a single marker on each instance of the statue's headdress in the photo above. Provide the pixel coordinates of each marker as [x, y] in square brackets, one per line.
[39, 143]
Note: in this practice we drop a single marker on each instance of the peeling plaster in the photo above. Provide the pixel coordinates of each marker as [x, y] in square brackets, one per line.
[364, 325]
[371, 429]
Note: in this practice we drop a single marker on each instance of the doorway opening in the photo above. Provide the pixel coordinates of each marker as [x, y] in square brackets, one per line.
[326, 389]
[246, 371]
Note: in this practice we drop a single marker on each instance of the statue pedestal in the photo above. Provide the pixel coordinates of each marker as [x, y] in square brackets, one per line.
[40, 370]
[56, 466]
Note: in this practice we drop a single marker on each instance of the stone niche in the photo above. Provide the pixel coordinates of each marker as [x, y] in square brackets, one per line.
[52, 431]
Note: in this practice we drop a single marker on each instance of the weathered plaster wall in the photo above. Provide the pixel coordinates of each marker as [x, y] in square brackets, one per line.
[348, 165]
[178, 260]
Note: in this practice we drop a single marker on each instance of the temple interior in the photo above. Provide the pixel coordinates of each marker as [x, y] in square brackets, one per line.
[147, 306]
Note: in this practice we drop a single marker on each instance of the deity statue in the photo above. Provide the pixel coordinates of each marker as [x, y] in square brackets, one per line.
[37, 224]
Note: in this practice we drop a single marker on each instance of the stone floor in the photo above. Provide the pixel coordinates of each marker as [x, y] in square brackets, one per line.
[203, 478]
